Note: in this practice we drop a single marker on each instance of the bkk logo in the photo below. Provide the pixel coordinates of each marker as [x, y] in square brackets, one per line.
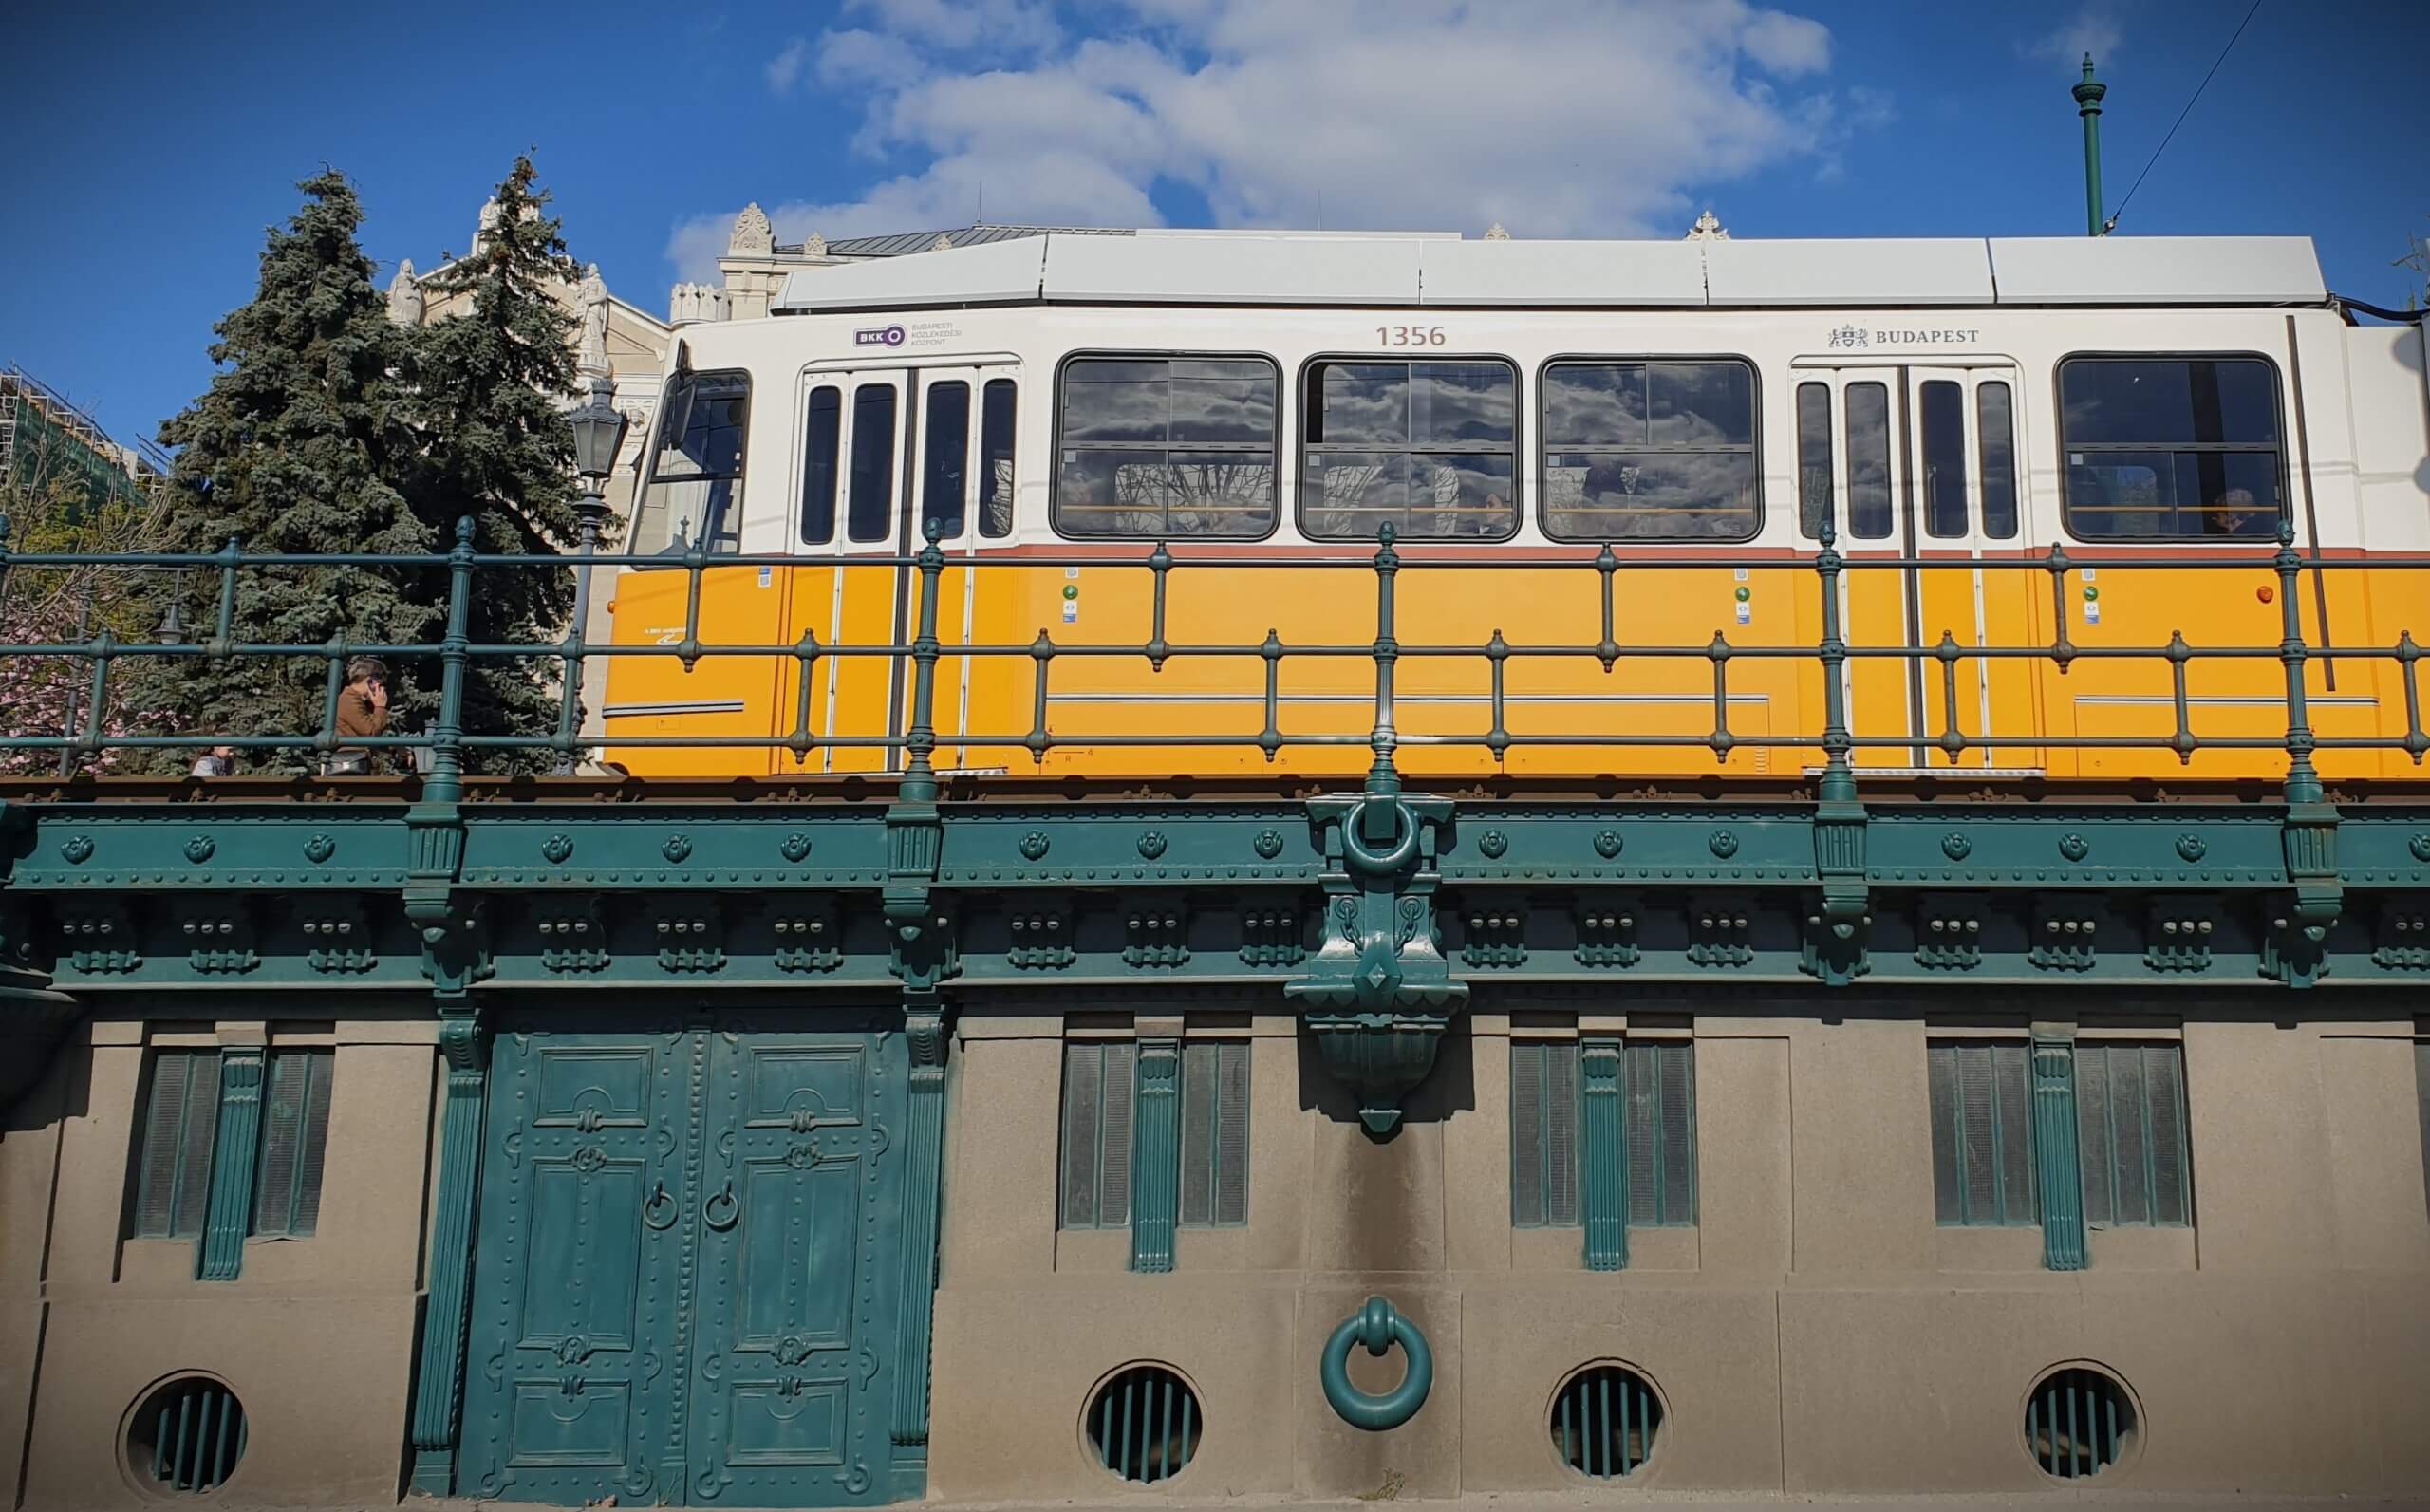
[884, 336]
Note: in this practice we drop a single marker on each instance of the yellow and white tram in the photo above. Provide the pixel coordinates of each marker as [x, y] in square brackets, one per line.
[1510, 408]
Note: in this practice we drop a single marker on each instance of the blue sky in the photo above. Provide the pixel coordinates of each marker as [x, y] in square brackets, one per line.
[154, 142]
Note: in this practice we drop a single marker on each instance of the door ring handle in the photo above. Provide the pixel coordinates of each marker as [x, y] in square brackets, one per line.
[1378, 1326]
[720, 1212]
[659, 1212]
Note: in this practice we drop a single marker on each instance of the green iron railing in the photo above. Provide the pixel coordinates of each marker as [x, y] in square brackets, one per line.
[447, 740]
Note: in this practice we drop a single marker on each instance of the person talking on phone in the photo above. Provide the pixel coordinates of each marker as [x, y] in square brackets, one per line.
[363, 711]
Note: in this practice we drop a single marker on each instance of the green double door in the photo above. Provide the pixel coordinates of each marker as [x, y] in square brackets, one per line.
[687, 1275]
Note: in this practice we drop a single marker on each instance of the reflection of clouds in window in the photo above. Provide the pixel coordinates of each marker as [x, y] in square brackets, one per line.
[1348, 495]
[1167, 447]
[1650, 450]
[1697, 496]
[1377, 451]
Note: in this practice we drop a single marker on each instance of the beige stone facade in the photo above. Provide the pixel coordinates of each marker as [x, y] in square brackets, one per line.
[1814, 1331]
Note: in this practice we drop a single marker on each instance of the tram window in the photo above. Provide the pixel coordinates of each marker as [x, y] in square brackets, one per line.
[823, 424]
[946, 474]
[1813, 458]
[1868, 406]
[1153, 447]
[1429, 448]
[1650, 451]
[1944, 419]
[1995, 426]
[996, 459]
[2171, 448]
[696, 475]
[869, 510]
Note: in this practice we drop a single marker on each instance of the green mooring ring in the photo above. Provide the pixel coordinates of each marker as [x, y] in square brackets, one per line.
[1379, 1326]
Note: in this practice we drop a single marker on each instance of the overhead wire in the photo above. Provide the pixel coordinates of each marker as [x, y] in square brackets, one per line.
[2111, 224]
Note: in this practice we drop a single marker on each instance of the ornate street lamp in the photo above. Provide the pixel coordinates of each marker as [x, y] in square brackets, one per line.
[598, 435]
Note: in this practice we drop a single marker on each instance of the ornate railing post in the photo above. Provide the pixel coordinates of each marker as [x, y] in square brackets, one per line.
[454, 959]
[1155, 1166]
[1385, 777]
[229, 1209]
[2295, 946]
[923, 958]
[1837, 931]
[2058, 1166]
[1603, 1167]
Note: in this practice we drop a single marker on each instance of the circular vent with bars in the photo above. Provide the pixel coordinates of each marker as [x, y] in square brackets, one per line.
[187, 1436]
[1605, 1420]
[2078, 1423]
[1144, 1424]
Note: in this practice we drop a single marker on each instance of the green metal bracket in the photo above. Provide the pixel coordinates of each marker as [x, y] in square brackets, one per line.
[235, 1148]
[922, 1157]
[1378, 1327]
[2058, 1166]
[1603, 1167]
[1836, 940]
[439, 1383]
[1378, 995]
[2296, 948]
[1155, 1166]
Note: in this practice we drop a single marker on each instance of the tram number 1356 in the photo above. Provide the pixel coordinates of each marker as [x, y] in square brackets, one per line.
[1411, 336]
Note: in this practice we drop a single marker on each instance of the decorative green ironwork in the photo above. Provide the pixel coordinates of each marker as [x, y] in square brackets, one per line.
[1603, 1164]
[234, 1149]
[438, 1382]
[1376, 1328]
[2058, 1167]
[922, 1157]
[1379, 995]
[1155, 1160]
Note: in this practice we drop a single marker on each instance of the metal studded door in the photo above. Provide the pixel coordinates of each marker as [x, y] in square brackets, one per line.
[685, 1283]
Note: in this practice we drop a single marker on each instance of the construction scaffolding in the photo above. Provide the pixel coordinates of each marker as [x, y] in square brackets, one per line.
[45, 439]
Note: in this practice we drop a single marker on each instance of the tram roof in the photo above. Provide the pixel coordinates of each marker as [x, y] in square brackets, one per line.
[1318, 269]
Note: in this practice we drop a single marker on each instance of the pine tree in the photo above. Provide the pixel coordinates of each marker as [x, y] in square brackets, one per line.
[298, 446]
[494, 382]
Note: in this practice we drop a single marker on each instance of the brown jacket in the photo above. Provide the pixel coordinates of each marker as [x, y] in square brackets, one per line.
[357, 717]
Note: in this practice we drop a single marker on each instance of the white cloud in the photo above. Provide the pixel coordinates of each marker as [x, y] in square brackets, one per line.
[786, 66]
[1557, 118]
[2093, 30]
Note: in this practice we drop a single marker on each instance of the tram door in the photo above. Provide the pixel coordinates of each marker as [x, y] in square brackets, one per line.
[1968, 510]
[1918, 473]
[883, 450]
[1919, 464]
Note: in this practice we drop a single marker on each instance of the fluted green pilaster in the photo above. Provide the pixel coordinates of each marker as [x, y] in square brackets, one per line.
[233, 1148]
[2058, 1165]
[1603, 1167]
[1155, 1170]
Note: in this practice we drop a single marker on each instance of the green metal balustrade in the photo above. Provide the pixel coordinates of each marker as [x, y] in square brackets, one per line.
[466, 569]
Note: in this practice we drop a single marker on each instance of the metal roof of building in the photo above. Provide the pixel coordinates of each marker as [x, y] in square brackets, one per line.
[897, 244]
[1049, 265]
